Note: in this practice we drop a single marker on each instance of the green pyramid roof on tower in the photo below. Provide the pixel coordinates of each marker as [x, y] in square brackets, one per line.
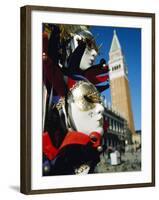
[115, 43]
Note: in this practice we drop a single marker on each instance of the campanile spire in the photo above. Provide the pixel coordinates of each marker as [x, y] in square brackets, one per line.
[115, 43]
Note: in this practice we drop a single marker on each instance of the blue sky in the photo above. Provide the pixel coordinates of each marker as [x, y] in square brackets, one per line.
[130, 41]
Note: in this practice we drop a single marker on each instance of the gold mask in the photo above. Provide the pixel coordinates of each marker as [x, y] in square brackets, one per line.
[85, 95]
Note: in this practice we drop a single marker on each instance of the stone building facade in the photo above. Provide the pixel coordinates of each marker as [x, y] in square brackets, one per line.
[118, 133]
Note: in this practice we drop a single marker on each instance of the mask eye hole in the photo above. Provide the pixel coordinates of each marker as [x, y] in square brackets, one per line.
[88, 99]
[92, 98]
[91, 44]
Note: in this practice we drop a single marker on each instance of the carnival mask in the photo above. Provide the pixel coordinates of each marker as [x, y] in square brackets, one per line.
[88, 58]
[85, 108]
[90, 51]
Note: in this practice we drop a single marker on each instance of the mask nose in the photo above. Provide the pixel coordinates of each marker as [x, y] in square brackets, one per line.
[93, 53]
[99, 108]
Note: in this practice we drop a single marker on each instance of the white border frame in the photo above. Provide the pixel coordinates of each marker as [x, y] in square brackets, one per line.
[145, 176]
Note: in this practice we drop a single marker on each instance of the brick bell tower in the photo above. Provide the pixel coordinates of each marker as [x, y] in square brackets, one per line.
[119, 83]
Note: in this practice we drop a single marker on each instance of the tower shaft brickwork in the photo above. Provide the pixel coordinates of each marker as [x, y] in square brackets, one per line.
[119, 84]
[121, 100]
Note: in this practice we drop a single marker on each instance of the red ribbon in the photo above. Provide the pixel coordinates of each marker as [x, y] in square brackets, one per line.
[71, 138]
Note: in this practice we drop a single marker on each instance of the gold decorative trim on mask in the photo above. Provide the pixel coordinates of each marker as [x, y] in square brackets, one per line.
[85, 95]
[60, 103]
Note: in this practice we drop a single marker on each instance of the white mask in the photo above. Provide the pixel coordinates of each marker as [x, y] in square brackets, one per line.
[91, 50]
[86, 109]
[88, 58]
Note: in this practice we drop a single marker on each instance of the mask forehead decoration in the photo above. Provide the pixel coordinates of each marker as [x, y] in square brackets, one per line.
[85, 95]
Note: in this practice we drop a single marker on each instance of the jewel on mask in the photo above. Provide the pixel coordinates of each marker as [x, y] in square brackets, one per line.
[60, 104]
[99, 148]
